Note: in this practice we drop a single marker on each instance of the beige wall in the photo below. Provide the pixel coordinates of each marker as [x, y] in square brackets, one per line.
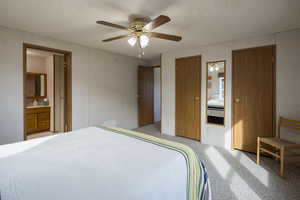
[36, 64]
[104, 84]
[49, 68]
[288, 99]
[288, 81]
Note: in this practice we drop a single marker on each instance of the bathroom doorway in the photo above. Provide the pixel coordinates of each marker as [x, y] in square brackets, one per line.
[47, 91]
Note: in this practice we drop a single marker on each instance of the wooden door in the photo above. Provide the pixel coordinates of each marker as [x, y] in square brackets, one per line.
[145, 95]
[188, 71]
[59, 94]
[253, 84]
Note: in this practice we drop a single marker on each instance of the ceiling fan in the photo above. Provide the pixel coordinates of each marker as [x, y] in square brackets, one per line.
[141, 30]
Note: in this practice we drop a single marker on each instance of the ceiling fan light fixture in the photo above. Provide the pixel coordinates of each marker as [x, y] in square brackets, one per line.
[144, 41]
[140, 29]
[132, 41]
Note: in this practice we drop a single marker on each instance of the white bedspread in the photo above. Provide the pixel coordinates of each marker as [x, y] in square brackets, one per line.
[89, 164]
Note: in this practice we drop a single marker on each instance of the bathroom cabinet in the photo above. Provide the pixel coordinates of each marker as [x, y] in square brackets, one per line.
[37, 119]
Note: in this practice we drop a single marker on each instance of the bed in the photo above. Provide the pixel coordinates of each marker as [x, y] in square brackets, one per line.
[101, 163]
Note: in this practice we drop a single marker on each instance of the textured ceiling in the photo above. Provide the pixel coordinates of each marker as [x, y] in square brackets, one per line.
[200, 22]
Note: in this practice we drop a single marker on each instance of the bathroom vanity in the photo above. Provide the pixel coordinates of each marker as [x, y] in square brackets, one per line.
[37, 114]
[37, 119]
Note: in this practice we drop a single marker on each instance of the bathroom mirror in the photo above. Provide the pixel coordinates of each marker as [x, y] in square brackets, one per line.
[215, 92]
[36, 85]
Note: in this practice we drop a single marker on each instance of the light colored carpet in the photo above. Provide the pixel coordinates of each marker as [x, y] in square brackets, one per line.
[234, 175]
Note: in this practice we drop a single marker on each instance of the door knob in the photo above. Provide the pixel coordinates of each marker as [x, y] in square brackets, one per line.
[197, 98]
[237, 100]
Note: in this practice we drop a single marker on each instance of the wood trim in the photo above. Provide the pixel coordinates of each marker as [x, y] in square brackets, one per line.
[24, 91]
[274, 91]
[200, 95]
[225, 80]
[68, 86]
[161, 94]
[53, 97]
[195, 56]
[68, 91]
[43, 48]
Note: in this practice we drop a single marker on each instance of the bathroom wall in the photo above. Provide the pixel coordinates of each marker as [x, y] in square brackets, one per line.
[36, 64]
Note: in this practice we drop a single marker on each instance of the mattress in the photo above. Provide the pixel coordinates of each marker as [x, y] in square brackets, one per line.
[101, 163]
[216, 103]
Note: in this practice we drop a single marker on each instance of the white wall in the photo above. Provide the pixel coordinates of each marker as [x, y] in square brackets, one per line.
[288, 79]
[221, 135]
[157, 87]
[157, 95]
[104, 84]
[50, 90]
[210, 134]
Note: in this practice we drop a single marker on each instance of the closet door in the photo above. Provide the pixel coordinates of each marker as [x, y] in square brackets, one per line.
[188, 71]
[253, 87]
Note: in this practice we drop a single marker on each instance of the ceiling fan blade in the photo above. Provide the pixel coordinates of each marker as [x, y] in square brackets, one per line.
[116, 38]
[112, 25]
[166, 36]
[160, 20]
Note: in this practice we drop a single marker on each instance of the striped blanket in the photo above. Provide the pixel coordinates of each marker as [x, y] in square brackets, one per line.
[198, 182]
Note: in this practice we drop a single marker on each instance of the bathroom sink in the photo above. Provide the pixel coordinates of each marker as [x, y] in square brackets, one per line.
[37, 106]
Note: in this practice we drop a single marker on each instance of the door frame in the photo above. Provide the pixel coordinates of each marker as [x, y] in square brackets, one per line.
[68, 80]
[200, 93]
[274, 90]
